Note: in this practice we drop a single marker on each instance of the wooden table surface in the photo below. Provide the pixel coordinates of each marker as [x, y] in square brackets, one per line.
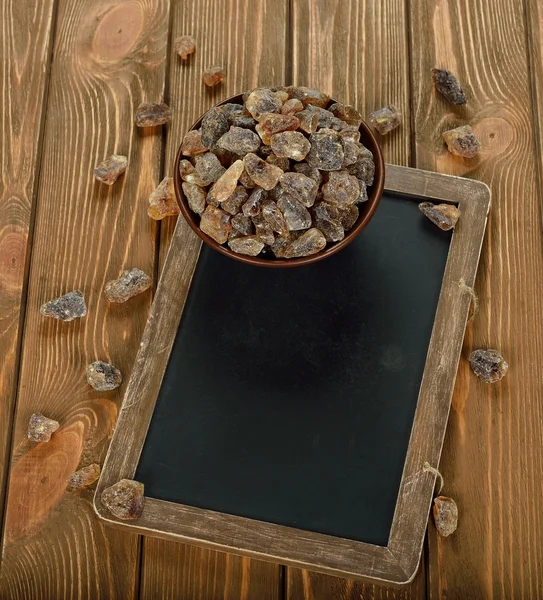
[72, 74]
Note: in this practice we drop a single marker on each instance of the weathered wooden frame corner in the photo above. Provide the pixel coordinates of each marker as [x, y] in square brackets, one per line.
[395, 564]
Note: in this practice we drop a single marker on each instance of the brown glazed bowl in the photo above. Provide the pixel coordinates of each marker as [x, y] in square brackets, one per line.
[367, 209]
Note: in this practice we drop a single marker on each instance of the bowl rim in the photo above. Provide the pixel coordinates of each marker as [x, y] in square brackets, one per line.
[375, 193]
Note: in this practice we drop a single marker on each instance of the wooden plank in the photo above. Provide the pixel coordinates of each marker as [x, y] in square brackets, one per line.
[109, 57]
[173, 571]
[307, 585]
[491, 459]
[347, 48]
[25, 47]
[249, 40]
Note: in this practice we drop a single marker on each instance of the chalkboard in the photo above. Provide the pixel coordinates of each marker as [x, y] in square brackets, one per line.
[288, 414]
[290, 393]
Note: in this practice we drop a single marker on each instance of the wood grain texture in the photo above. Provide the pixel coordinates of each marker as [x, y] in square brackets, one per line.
[356, 51]
[173, 571]
[492, 454]
[248, 39]
[307, 585]
[109, 56]
[25, 47]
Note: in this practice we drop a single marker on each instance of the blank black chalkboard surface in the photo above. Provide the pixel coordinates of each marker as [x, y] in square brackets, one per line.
[297, 407]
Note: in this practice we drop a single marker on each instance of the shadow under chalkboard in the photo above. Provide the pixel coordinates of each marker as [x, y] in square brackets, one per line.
[290, 394]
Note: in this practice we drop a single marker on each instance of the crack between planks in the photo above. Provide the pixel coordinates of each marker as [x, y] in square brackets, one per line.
[26, 272]
[289, 43]
[536, 129]
[412, 160]
[164, 142]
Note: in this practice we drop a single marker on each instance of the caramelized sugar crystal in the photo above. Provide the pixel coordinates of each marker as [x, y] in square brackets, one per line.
[462, 141]
[85, 476]
[66, 308]
[131, 283]
[447, 84]
[40, 428]
[124, 499]
[103, 377]
[261, 172]
[445, 514]
[489, 365]
[184, 45]
[162, 201]
[109, 169]
[151, 115]
[386, 119]
[445, 216]
[251, 245]
[212, 76]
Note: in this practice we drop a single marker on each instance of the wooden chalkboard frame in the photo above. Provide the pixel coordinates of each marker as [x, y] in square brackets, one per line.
[398, 562]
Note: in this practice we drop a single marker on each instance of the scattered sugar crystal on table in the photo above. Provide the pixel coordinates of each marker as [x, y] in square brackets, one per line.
[212, 76]
[386, 119]
[447, 84]
[124, 499]
[445, 515]
[445, 216]
[109, 169]
[40, 428]
[462, 141]
[66, 308]
[85, 476]
[131, 283]
[151, 115]
[103, 377]
[489, 365]
[184, 45]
